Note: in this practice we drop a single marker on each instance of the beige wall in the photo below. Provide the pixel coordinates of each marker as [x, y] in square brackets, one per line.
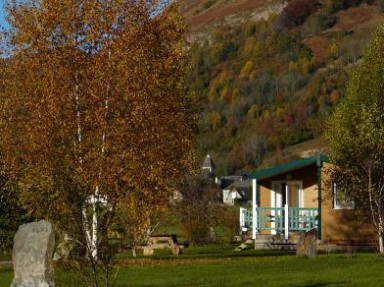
[308, 177]
[343, 226]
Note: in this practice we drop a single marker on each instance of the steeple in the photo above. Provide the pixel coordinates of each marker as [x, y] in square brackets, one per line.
[208, 165]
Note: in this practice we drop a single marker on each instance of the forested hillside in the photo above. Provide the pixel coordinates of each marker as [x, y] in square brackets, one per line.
[269, 78]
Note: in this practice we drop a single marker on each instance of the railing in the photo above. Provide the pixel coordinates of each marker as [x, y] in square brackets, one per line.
[302, 218]
[273, 218]
[245, 218]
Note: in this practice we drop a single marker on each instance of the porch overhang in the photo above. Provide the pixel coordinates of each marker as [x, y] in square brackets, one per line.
[317, 160]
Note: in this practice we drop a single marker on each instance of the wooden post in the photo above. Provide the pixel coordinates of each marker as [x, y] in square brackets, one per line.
[242, 220]
[286, 213]
[319, 165]
[286, 222]
[254, 208]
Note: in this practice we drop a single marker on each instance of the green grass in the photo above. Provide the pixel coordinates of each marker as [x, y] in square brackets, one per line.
[221, 266]
[6, 275]
[5, 257]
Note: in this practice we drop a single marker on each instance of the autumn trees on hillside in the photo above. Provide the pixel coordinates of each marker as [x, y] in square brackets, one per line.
[257, 100]
[94, 108]
[274, 79]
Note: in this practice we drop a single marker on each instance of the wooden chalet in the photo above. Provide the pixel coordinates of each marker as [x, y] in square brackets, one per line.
[299, 196]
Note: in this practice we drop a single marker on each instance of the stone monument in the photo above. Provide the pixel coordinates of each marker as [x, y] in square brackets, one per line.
[33, 248]
[307, 244]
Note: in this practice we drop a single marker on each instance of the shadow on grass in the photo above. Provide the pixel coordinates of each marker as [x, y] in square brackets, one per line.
[209, 252]
[325, 284]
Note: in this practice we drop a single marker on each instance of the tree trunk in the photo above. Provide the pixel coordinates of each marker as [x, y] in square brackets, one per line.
[381, 241]
[87, 231]
[381, 244]
[94, 231]
[91, 230]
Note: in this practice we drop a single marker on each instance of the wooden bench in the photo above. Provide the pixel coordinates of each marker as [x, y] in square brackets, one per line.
[161, 242]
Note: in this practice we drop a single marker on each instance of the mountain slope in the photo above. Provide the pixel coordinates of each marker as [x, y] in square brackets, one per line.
[202, 14]
[268, 83]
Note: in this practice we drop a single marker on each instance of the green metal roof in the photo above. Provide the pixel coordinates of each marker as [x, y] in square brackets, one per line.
[287, 167]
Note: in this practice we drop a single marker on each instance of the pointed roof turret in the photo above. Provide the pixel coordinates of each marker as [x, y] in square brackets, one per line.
[208, 165]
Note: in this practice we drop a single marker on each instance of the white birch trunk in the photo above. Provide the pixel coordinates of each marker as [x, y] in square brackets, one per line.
[94, 229]
[90, 231]
[87, 231]
[375, 204]
[96, 196]
[381, 243]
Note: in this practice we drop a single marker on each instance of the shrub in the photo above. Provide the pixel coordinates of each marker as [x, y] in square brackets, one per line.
[296, 12]
[11, 216]
[381, 5]
[336, 5]
[229, 224]
[197, 211]
[209, 3]
[318, 22]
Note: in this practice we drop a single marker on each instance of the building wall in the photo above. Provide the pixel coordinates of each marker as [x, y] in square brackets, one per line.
[229, 196]
[264, 201]
[308, 177]
[343, 226]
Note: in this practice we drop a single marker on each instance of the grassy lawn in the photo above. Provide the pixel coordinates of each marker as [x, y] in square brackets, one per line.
[5, 257]
[221, 266]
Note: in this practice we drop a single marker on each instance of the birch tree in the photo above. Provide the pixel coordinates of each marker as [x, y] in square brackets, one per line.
[356, 135]
[95, 108]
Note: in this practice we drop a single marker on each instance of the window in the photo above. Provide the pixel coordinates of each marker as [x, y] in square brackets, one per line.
[342, 200]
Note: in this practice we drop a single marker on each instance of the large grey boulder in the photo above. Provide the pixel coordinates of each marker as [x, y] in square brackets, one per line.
[32, 255]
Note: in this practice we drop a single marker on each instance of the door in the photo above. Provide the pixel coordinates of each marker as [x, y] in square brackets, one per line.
[278, 197]
[287, 192]
[295, 194]
[282, 193]
[278, 201]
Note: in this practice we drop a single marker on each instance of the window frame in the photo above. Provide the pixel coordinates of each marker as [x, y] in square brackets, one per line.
[347, 203]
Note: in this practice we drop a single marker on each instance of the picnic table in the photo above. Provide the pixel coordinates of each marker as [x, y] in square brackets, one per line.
[161, 242]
